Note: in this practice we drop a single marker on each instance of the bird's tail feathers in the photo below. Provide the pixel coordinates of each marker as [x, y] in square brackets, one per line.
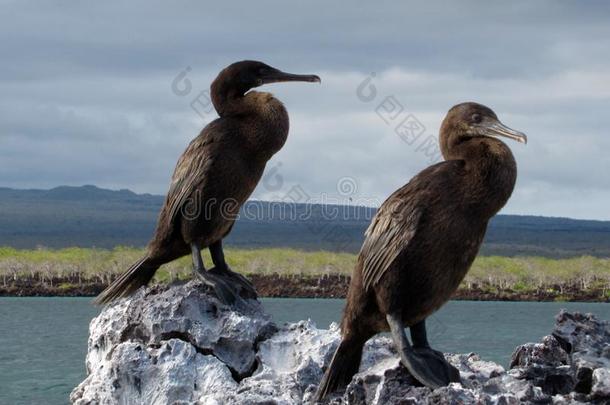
[138, 275]
[343, 366]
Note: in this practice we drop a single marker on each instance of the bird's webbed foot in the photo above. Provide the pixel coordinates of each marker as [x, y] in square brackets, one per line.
[221, 285]
[222, 269]
[437, 366]
[426, 365]
[242, 284]
[224, 291]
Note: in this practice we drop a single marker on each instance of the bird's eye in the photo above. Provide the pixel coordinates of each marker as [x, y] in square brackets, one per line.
[476, 118]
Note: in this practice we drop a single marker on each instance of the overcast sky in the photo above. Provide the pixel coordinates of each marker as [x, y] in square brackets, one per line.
[86, 93]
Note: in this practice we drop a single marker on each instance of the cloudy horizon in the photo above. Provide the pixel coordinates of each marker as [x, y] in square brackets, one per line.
[111, 94]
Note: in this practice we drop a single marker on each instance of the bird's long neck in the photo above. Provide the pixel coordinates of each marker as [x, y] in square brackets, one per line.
[269, 117]
[226, 98]
[264, 118]
[491, 172]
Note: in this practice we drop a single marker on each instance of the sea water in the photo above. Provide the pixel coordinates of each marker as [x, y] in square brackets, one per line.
[43, 341]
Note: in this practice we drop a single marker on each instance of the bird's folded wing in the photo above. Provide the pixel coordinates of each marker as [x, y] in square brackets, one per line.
[388, 235]
[190, 174]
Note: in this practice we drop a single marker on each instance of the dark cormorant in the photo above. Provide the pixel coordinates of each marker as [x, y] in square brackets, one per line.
[421, 244]
[213, 178]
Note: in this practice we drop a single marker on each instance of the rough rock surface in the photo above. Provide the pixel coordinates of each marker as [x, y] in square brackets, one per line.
[180, 345]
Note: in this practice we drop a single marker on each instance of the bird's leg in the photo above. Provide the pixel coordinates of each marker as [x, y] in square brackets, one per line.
[423, 364]
[419, 336]
[223, 290]
[222, 268]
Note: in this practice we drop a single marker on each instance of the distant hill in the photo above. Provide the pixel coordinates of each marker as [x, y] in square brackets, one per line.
[90, 216]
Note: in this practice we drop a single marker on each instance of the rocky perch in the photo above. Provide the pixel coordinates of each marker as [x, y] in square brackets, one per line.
[179, 345]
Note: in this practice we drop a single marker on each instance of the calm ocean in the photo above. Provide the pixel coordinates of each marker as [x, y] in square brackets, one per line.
[43, 341]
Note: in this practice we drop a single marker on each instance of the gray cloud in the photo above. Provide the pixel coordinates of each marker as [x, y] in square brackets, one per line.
[86, 90]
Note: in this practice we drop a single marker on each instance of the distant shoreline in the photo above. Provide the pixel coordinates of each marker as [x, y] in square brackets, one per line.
[87, 216]
[326, 286]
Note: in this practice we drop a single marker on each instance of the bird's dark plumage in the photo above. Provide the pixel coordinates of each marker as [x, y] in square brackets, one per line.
[214, 176]
[423, 240]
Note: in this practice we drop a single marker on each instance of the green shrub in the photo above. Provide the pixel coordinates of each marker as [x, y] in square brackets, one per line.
[490, 273]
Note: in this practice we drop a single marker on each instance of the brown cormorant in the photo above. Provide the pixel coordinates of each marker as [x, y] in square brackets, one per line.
[421, 243]
[214, 176]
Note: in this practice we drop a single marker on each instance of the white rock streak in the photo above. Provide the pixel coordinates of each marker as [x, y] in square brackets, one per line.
[181, 345]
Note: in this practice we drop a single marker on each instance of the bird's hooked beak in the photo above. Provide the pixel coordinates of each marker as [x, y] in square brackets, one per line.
[495, 128]
[276, 76]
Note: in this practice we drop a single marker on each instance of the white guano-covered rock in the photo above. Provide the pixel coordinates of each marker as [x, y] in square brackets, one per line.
[180, 345]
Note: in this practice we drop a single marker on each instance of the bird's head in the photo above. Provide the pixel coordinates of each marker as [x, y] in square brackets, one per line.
[470, 123]
[236, 79]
